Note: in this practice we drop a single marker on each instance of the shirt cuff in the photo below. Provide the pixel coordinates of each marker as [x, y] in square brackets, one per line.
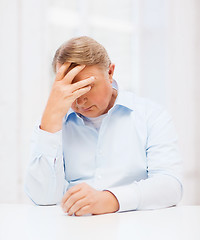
[128, 196]
[46, 143]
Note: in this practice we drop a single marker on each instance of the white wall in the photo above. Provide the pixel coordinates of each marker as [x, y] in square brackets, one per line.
[24, 88]
[183, 87]
[9, 101]
[169, 66]
[159, 39]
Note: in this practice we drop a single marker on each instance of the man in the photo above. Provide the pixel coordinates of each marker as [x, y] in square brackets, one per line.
[98, 149]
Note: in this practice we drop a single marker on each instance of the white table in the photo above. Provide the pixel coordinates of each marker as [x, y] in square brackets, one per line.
[28, 222]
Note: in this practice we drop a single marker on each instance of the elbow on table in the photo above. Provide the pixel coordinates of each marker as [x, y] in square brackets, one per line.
[40, 199]
[160, 192]
[37, 199]
[177, 192]
[172, 193]
[41, 196]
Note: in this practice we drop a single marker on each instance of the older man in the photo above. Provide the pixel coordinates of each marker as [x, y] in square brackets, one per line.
[98, 149]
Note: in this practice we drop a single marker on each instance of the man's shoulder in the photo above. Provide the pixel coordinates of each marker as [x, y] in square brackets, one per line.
[146, 111]
[143, 104]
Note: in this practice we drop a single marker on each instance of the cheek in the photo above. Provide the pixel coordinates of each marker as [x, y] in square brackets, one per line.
[73, 106]
[93, 98]
[100, 98]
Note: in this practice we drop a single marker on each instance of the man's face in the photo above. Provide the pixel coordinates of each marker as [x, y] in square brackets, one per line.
[101, 97]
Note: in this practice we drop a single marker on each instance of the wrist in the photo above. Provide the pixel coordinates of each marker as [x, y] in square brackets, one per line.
[51, 125]
[111, 201]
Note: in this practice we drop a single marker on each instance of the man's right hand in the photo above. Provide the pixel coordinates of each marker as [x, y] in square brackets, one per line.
[62, 95]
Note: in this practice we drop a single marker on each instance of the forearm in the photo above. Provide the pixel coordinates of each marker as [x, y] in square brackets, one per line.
[44, 185]
[51, 123]
[159, 191]
[111, 203]
[45, 181]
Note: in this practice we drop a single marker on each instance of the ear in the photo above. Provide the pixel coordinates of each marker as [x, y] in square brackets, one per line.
[111, 71]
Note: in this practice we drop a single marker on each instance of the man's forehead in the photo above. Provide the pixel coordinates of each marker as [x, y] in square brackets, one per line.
[88, 71]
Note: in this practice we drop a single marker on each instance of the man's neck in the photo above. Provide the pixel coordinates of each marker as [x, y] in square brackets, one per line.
[112, 100]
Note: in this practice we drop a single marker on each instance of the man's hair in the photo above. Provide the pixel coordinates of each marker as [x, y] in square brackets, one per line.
[82, 50]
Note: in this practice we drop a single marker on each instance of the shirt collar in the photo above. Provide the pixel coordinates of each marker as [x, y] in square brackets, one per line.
[124, 99]
[70, 112]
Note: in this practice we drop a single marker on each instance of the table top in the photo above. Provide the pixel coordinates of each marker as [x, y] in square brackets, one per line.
[50, 222]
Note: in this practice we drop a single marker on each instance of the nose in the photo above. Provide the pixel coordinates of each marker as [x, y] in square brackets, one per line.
[81, 101]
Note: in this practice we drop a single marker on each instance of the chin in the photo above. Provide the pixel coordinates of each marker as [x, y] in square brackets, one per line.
[90, 114]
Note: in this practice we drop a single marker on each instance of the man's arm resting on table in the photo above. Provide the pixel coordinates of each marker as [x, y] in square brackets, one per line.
[156, 192]
[162, 187]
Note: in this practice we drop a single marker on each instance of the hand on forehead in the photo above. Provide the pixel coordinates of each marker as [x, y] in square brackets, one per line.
[86, 72]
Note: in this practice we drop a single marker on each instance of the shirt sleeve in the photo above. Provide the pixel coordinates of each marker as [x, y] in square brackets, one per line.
[163, 187]
[45, 179]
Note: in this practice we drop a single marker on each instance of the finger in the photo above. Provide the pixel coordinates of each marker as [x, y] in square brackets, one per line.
[83, 211]
[62, 71]
[69, 192]
[78, 205]
[72, 200]
[72, 73]
[82, 83]
[81, 92]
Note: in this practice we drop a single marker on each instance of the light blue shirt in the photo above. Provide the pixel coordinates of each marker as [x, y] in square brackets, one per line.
[134, 155]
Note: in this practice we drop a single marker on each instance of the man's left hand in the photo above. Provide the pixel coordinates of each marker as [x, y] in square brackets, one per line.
[83, 199]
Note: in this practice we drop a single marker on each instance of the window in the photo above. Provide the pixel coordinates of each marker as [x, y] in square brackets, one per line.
[112, 23]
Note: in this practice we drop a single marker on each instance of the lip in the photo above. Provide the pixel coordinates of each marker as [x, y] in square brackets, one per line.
[87, 109]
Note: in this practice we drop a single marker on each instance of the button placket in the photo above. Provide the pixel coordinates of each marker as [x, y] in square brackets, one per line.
[100, 153]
